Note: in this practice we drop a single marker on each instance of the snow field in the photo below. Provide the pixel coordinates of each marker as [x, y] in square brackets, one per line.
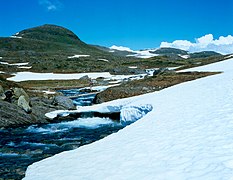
[187, 135]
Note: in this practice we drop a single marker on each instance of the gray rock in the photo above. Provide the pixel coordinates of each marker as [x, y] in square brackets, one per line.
[20, 92]
[145, 89]
[2, 95]
[86, 77]
[63, 101]
[13, 115]
[24, 103]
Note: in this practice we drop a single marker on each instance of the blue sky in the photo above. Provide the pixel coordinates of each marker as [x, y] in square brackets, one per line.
[132, 23]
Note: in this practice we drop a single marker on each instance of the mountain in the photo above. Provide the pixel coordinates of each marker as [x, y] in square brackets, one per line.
[51, 48]
[50, 33]
[46, 38]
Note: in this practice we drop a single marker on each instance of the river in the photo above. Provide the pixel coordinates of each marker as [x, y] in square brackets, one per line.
[22, 146]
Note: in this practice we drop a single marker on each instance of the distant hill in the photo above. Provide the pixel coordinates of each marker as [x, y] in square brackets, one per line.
[169, 51]
[204, 54]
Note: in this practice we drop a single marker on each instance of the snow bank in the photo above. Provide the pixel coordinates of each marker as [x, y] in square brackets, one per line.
[187, 135]
[25, 67]
[131, 114]
[26, 76]
[19, 37]
[105, 60]
[230, 56]
[78, 56]
[184, 56]
[132, 67]
[14, 64]
[142, 54]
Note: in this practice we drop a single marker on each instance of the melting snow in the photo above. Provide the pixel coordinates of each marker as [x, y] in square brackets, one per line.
[132, 67]
[138, 54]
[184, 56]
[187, 135]
[4, 63]
[26, 76]
[25, 67]
[78, 56]
[103, 60]
[230, 56]
[14, 64]
[49, 92]
[16, 37]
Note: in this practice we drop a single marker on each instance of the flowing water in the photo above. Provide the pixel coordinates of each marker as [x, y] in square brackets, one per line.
[20, 147]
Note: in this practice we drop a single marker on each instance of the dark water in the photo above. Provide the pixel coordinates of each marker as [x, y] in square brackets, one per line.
[20, 147]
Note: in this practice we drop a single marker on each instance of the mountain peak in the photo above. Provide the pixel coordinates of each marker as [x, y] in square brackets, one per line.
[49, 32]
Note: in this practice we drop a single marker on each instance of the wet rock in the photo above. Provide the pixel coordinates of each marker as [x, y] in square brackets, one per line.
[41, 106]
[2, 95]
[64, 101]
[24, 104]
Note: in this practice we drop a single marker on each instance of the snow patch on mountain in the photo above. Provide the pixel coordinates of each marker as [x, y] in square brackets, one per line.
[138, 54]
[78, 56]
[184, 56]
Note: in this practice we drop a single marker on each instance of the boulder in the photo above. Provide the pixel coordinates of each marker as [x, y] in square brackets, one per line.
[63, 101]
[2, 95]
[13, 115]
[85, 78]
[162, 71]
[24, 103]
[20, 92]
[8, 95]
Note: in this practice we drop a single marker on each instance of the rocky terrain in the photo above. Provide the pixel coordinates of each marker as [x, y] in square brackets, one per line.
[51, 48]
[18, 108]
[147, 85]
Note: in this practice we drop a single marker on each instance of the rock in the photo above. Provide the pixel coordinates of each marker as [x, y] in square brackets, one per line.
[64, 101]
[20, 92]
[86, 78]
[145, 89]
[24, 103]
[13, 115]
[162, 71]
[8, 94]
[41, 106]
[2, 94]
